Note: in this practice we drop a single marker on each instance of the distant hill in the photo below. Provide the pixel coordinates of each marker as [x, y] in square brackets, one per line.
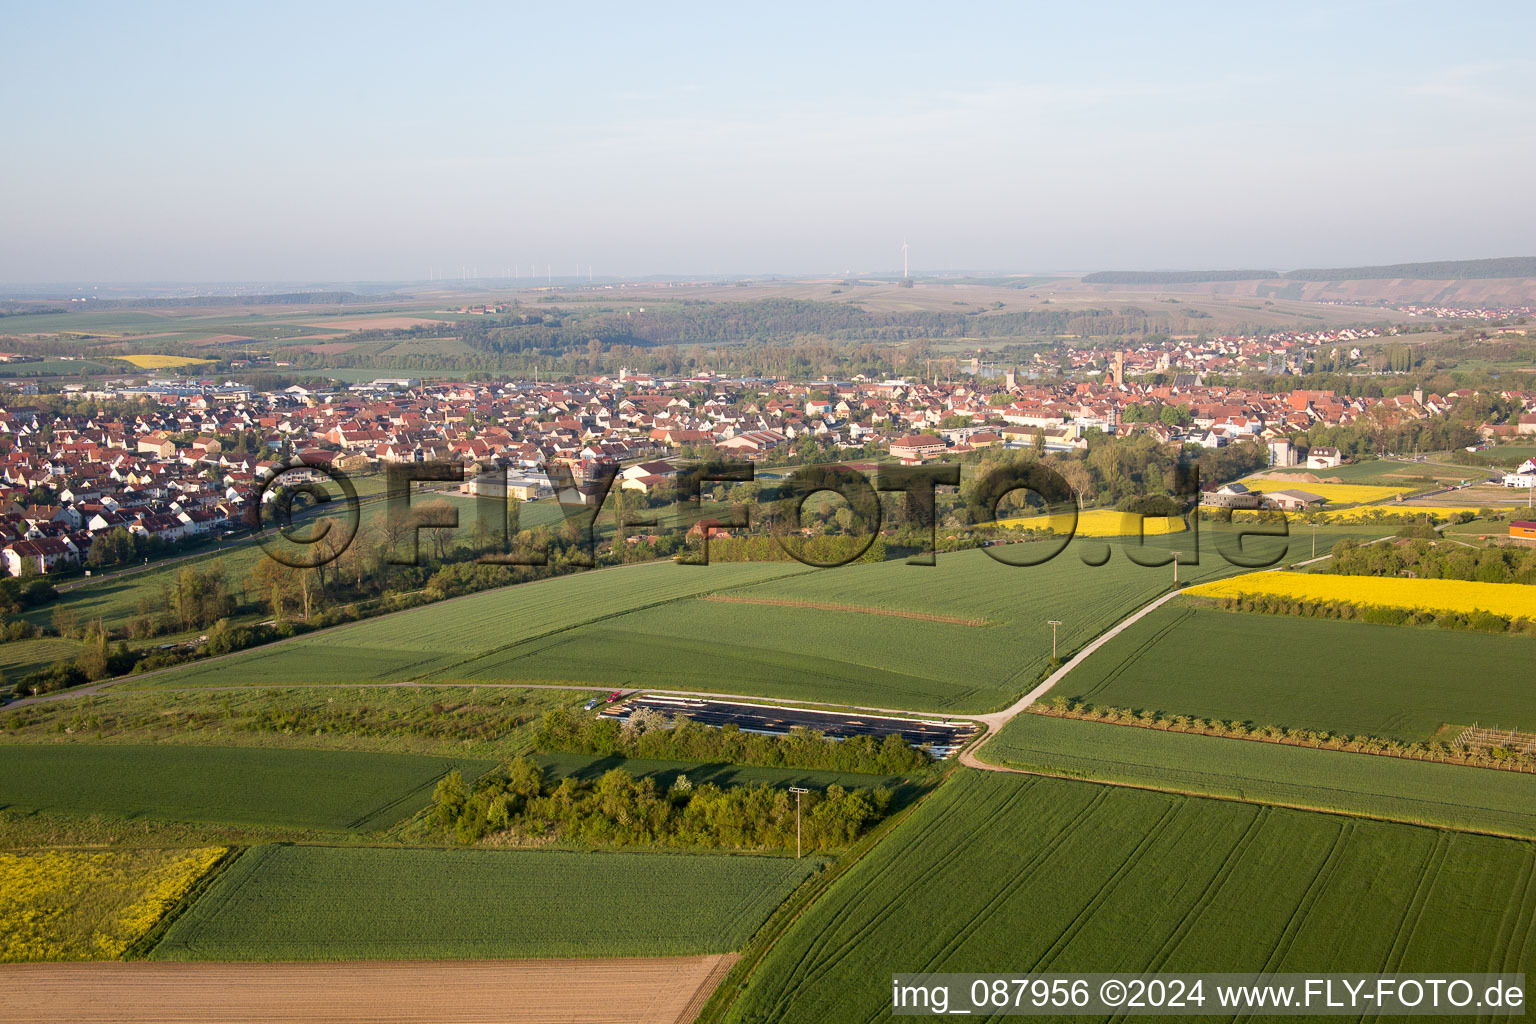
[1176, 276]
[1444, 270]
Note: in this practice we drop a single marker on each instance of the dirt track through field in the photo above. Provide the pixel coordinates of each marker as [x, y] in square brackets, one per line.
[661, 990]
[858, 608]
[375, 323]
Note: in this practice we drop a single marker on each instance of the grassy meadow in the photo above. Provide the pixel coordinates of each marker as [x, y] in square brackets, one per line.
[158, 326]
[55, 368]
[842, 649]
[1420, 792]
[331, 903]
[1372, 473]
[453, 721]
[1323, 674]
[21, 657]
[1513, 453]
[1003, 873]
[313, 789]
[645, 626]
[437, 641]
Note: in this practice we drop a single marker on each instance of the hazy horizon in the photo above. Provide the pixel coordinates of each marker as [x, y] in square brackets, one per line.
[488, 282]
[362, 144]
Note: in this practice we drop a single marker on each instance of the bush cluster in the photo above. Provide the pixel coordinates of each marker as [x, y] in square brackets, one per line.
[620, 810]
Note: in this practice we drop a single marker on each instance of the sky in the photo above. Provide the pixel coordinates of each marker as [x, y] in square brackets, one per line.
[340, 142]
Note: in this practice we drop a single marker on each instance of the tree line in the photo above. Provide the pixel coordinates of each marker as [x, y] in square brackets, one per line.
[1482, 756]
[650, 734]
[1477, 620]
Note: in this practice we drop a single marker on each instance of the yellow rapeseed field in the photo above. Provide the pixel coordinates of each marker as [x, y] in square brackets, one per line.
[1341, 494]
[1511, 600]
[1365, 513]
[1098, 522]
[89, 904]
[150, 361]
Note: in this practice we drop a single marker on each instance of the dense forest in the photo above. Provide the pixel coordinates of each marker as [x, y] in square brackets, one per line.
[781, 320]
[771, 337]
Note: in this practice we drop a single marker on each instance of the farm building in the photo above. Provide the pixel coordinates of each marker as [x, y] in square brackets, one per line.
[502, 482]
[1231, 496]
[528, 486]
[1523, 529]
[1293, 500]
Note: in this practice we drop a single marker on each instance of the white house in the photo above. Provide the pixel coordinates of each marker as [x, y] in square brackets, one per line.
[660, 468]
[1324, 458]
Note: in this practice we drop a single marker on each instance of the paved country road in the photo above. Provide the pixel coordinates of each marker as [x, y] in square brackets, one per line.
[995, 721]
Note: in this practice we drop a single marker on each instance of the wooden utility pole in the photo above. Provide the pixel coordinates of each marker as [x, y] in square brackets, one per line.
[1054, 623]
[799, 792]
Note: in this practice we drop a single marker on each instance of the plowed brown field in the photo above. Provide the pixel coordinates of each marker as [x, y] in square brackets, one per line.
[661, 990]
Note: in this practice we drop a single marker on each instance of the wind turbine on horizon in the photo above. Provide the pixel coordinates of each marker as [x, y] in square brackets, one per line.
[904, 249]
